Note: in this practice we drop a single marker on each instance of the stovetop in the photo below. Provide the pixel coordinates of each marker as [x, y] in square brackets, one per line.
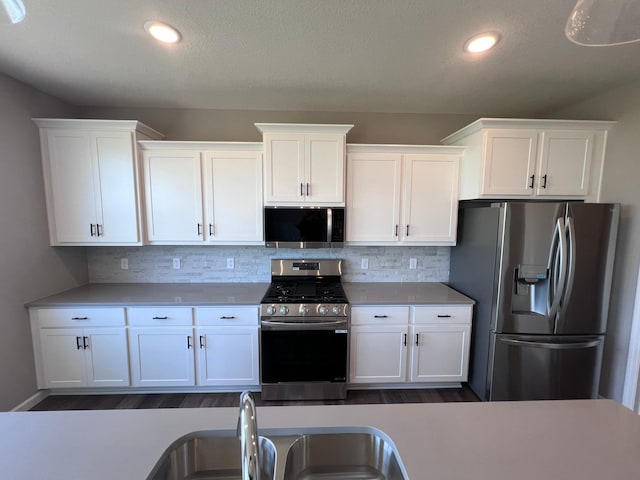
[308, 290]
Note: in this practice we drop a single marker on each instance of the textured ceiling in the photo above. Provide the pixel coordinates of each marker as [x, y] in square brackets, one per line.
[312, 55]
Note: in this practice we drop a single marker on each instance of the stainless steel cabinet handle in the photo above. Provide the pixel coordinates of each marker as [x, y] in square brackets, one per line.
[85, 343]
[98, 227]
[160, 318]
[544, 181]
[79, 318]
[188, 342]
[532, 178]
[380, 316]
[227, 318]
[417, 339]
[92, 229]
[308, 190]
[78, 346]
[201, 341]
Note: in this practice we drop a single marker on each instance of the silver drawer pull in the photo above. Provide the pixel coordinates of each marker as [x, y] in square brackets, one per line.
[380, 316]
[444, 316]
[160, 318]
[227, 318]
[79, 318]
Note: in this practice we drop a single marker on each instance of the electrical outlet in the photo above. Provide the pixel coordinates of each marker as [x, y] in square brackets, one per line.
[231, 264]
[364, 263]
[176, 264]
[124, 263]
[413, 263]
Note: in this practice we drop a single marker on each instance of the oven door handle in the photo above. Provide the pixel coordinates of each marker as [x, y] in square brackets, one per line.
[302, 325]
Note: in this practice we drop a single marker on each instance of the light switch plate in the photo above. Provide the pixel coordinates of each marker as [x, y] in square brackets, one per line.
[413, 263]
[176, 264]
[364, 263]
[231, 263]
[124, 263]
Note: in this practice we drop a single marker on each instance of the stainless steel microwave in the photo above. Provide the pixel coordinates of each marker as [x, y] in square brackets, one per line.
[304, 227]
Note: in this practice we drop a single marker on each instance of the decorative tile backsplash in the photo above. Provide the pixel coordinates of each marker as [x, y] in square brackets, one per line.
[208, 264]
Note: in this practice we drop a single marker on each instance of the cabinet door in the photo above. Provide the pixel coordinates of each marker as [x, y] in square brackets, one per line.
[378, 354]
[565, 163]
[162, 356]
[118, 193]
[284, 175]
[373, 197]
[173, 194]
[228, 356]
[73, 183]
[233, 191]
[324, 169]
[107, 357]
[63, 357]
[440, 353]
[430, 200]
[509, 162]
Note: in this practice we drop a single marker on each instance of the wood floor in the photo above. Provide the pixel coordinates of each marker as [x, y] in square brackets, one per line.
[203, 400]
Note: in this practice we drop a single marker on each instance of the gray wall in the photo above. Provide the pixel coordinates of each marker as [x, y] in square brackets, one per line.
[621, 182]
[236, 125]
[29, 267]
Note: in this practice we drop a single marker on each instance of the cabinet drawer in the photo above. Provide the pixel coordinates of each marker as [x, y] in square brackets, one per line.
[160, 316]
[442, 314]
[226, 315]
[379, 315]
[80, 317]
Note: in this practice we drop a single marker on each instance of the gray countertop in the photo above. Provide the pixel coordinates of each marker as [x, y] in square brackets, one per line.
[561, 440]
[199, 294]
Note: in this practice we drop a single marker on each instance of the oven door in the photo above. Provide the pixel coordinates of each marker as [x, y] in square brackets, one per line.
[301, 358]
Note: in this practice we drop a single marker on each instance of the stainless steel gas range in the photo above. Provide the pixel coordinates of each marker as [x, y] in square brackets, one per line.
[304, 318]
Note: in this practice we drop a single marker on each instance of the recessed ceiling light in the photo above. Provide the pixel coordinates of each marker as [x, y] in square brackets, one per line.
[162, 32]
[482, 42]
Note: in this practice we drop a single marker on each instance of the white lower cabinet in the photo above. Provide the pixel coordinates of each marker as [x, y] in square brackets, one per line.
[228, 356]
[162, 356]
[440, 353]
[80, 347]
[419, 344]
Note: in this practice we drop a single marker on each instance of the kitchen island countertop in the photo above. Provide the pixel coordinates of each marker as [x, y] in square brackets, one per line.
[202, 294]
[560, 440]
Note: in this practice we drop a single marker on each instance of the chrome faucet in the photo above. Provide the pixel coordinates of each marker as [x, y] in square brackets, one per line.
[247, 431]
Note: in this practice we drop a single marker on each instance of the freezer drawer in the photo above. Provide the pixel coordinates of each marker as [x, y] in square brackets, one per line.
[531, 367]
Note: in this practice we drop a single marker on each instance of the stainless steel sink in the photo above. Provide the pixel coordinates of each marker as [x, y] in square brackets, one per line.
[343, 456]
[210, 455]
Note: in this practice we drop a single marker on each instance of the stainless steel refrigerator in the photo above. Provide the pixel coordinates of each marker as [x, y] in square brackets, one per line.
[540, 273]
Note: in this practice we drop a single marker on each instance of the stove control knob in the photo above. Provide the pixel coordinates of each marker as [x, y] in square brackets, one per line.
[323, 309]
[336, 310]
[271, 310]
[304, 309]
[284, 310]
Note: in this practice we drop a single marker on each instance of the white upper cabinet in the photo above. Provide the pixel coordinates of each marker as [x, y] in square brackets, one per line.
[304, 164]
[91, 176]
[517, 158]
[402, 195]
[203, 192]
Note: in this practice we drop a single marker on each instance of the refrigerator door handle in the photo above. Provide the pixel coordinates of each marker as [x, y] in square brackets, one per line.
[554, 346]
[557, 267]
[571, 261]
